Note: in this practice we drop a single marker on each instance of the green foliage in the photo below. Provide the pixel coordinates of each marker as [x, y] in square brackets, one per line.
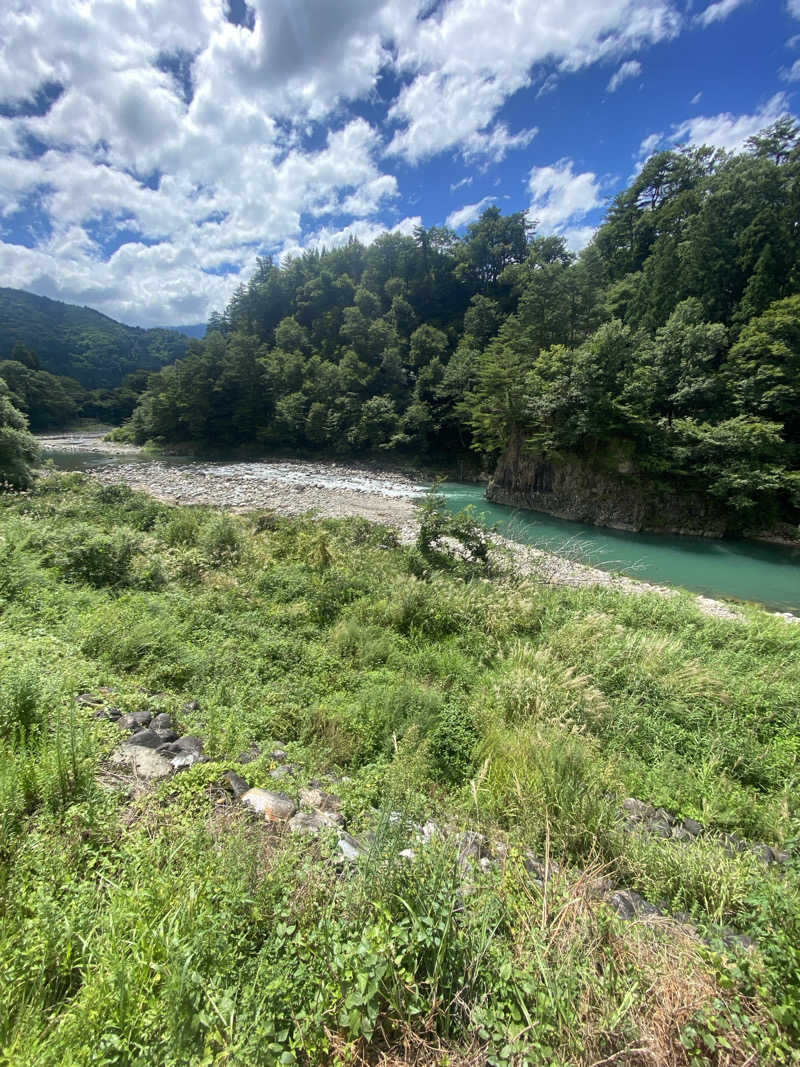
[164, 926]
[19, 451]
[99, 559]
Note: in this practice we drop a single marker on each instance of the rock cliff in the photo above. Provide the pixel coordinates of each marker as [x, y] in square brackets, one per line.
[604, 491]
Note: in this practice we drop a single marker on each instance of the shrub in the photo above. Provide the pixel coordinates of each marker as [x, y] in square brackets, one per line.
[221, 539]
[180, 528]
[98, 559]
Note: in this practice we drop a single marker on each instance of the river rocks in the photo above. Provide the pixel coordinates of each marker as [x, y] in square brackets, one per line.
[275, 807]
[161, 722]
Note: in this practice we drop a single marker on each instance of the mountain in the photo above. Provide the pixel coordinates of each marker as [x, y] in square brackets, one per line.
[82, 343]
[195, 329]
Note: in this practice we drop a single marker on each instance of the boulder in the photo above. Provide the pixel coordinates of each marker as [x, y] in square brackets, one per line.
[275, 807]
[162, 721]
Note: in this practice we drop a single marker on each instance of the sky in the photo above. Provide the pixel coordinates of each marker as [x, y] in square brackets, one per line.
[152, 150]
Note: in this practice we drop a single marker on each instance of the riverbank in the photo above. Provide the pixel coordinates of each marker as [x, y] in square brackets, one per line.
[330, 490]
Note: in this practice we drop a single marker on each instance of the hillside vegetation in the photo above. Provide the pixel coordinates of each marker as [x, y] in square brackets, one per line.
[80, 343]
[164, 924]
[671, 343]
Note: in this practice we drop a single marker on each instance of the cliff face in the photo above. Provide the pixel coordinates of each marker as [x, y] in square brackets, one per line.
[602, 494]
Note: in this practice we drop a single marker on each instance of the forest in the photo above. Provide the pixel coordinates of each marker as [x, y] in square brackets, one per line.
[80, 343]
[672, 339]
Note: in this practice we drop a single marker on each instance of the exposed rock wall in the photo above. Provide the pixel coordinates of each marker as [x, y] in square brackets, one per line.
[598, 493]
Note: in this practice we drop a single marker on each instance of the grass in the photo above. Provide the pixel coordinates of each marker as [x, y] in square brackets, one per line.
[168, 928]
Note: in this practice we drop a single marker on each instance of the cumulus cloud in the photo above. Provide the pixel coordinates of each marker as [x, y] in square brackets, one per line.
[632, 68]
[463, 216]
[561, 199]
[164, 147]
[470, 56]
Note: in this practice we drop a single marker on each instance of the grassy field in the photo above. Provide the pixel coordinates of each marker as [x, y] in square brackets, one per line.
[165, 926]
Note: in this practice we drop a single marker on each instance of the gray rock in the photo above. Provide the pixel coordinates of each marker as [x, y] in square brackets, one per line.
[408, 854]
[134, 720]
[693, 827]
[190, 743]
[162, 721]
[237, 785]
[275, 807]
[311, 822]
[167, 736]
[279, 753]
[286, 770]
[145, 762]
[89, 700]
[629, 905]
[350, 847]
[184, 760]
[316, 798]
[145, 739]
[251, 754]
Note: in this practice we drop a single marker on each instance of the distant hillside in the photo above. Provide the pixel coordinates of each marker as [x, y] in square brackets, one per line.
[195, 329]
[81, 343]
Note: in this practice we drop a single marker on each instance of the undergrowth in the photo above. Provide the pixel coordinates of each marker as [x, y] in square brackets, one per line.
[169, 929]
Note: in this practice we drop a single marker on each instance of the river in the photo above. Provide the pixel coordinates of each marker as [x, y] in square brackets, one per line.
[730, 569]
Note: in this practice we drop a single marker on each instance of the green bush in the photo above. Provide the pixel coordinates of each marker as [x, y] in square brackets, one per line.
[221, 539]
[98, 559]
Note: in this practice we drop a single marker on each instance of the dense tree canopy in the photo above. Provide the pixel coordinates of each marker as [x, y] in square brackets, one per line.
[675, 337]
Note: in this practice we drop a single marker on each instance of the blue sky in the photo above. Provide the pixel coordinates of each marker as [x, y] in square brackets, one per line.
[149, 152]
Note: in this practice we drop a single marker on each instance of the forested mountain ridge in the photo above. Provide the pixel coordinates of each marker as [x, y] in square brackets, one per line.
[670, 346]
[80, 343]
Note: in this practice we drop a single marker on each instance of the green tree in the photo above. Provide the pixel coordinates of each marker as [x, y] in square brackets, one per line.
[19, 451]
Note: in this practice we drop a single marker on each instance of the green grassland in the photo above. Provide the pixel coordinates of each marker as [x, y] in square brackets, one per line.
[164, 926]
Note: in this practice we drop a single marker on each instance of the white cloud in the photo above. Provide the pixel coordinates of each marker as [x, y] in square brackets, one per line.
[561, 199]
[726, 130]
[631, 68]
[718, 11]
[470, 56]
[463, 216]
[791, 74]
[696, 98]
[793, 7]
[362, 230]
